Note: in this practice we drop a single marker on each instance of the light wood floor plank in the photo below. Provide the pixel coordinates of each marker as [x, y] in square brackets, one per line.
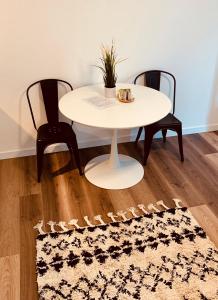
[10, 186]
[211, 138]
[213, 160]
[9, 277]
[30, 214]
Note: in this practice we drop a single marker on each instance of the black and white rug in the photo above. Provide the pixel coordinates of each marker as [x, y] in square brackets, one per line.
[160, 255]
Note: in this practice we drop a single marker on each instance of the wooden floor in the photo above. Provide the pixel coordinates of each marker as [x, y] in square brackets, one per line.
[63, 195]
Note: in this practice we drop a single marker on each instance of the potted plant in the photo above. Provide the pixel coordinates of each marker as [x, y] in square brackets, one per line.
[108, 68]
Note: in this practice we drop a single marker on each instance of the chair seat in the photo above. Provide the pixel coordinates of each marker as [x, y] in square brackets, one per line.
[152, 79]
[169, 120]
[57, 133]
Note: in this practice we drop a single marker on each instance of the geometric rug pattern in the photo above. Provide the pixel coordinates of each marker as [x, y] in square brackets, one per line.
[160, 255]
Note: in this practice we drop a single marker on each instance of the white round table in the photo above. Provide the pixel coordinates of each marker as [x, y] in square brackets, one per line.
[114, 171]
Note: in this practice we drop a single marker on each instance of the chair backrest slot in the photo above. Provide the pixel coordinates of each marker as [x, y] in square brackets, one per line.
[49, 89]
[152, 80]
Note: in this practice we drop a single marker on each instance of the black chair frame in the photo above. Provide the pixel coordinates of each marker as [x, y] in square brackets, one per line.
[170, 122]
[28, 97]
[53, 131]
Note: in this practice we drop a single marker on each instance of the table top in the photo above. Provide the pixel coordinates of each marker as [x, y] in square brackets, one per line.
[148, 107]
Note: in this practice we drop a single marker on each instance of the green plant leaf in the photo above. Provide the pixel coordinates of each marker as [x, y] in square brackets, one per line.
[108, 65]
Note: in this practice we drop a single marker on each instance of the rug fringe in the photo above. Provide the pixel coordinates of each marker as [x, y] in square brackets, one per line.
[134, 211]
[99, 218]
[74, 222]
[112, 216]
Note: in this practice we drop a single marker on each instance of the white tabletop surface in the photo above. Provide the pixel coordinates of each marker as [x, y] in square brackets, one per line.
[149, 106]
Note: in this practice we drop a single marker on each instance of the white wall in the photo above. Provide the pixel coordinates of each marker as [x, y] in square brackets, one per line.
[53, 38]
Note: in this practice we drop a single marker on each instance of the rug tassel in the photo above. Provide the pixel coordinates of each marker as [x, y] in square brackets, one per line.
[39, 227]
[122, 214]
[151, 206]
[87, 221]
[112, 216]
[142, 207]
[132, 210]
[177, 202]
[99, 218]
[74, 222]
[161, 203]
[62, 225]
[52, 224]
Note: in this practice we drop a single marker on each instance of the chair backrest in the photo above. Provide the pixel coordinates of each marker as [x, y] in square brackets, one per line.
[152, 79]
[49, 88]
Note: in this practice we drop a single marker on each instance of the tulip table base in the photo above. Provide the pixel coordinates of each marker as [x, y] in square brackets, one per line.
[100, 173]
[114, 171]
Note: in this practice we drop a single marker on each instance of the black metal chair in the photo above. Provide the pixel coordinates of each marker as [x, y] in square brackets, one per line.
[170, 122]
[53, 131]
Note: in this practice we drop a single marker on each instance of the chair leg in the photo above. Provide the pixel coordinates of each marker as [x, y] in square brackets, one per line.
[164, 133]
[39, 152]
[138, 134]
[179, 132]
[74, 151]
[147, 144]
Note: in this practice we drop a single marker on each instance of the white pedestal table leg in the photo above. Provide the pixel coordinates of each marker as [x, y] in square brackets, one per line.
[114, 171]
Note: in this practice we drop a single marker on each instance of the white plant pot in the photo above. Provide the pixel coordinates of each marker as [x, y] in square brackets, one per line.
[110, 92]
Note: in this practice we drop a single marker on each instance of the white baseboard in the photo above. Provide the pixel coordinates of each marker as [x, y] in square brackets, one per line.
[191, 130]
[61, 147]
[198, 129]
[98, 142]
